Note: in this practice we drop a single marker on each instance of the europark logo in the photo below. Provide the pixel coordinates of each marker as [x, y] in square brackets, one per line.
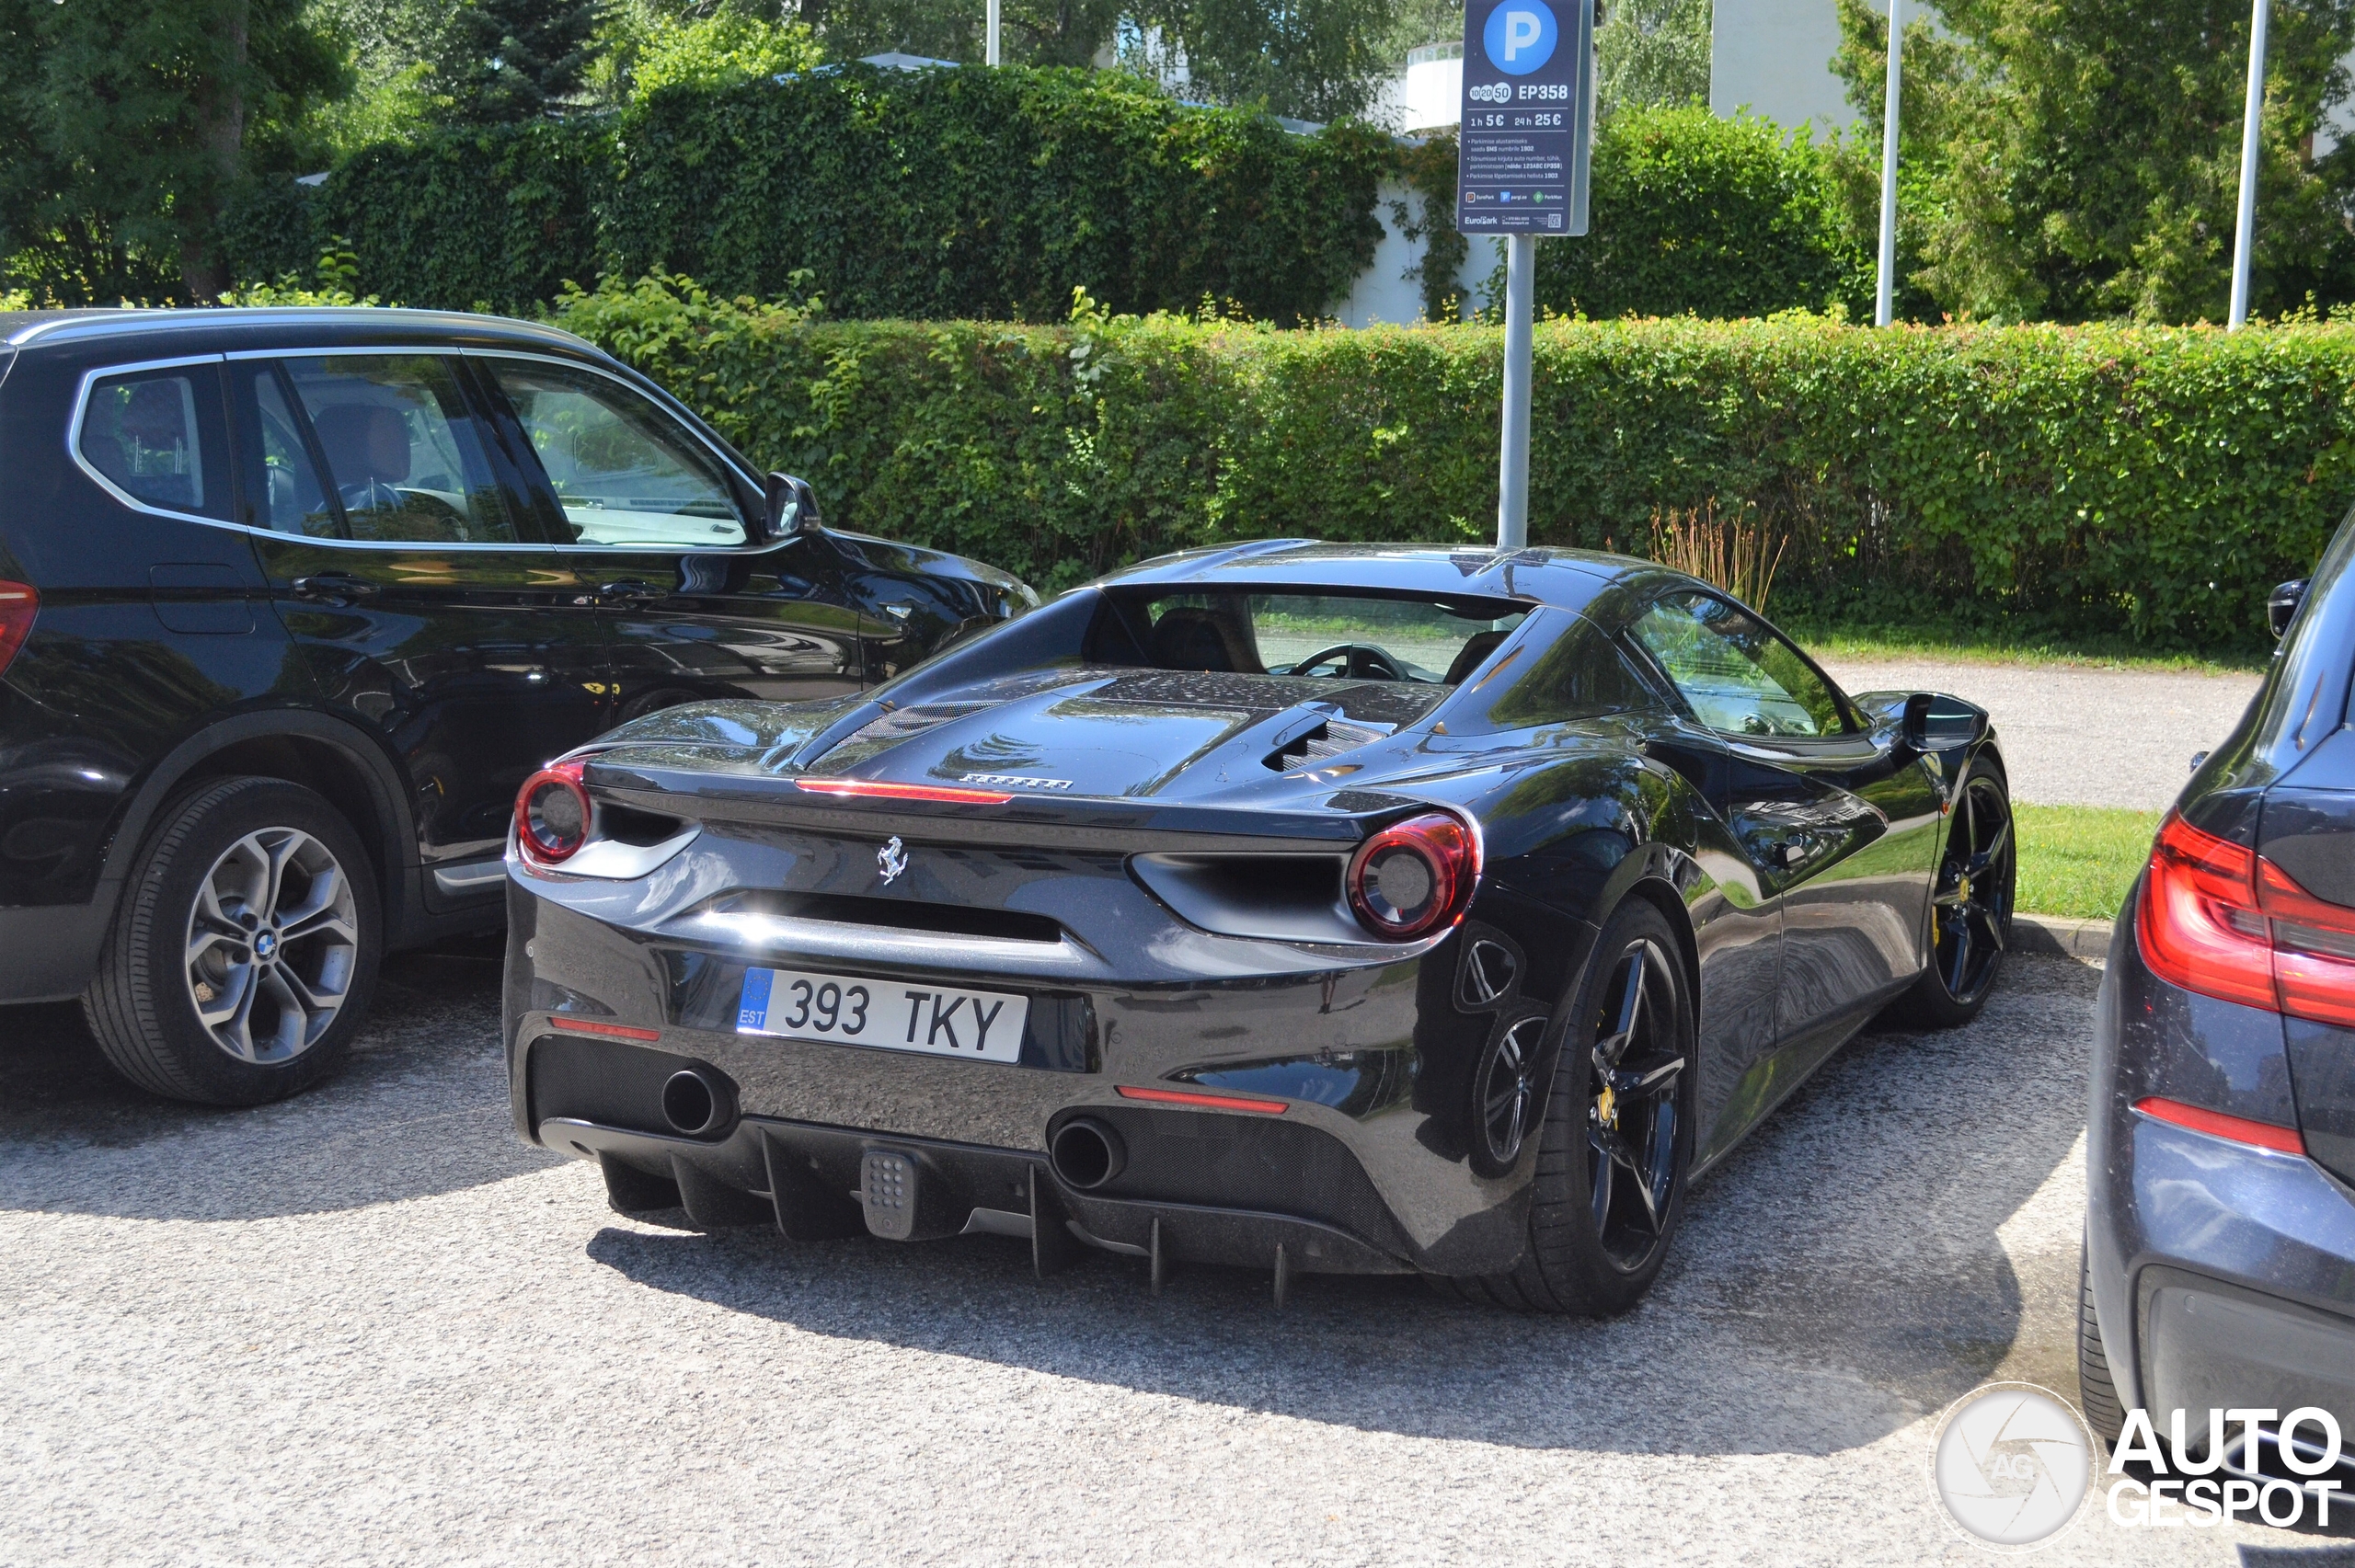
[2013, 1464]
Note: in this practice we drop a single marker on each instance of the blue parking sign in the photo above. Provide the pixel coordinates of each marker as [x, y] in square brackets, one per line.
[1528, 117]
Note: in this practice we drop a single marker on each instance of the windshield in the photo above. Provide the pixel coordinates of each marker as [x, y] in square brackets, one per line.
[1325, 635]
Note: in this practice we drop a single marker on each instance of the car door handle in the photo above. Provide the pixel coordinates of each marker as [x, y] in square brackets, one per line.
[630, 591]
[336, 588]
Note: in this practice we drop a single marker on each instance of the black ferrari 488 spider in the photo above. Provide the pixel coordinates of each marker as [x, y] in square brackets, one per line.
[1316, 908]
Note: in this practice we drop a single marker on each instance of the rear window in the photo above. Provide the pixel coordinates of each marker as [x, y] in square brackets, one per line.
[1431, 642]
[156, 437]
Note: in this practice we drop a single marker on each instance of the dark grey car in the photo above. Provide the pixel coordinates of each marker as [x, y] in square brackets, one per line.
[2220, 1227]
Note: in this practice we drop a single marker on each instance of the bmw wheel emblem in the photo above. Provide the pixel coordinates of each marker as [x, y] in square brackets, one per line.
[892, 859]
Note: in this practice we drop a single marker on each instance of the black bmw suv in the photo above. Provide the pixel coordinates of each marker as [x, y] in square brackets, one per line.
[292, 601]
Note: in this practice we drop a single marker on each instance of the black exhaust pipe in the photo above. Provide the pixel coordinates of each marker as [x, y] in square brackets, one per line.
[1087, 1153]
[693, 1103]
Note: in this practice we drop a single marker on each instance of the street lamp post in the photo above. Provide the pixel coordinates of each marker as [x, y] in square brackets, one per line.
[1884, 297]
[991, 57]
[2252, 117]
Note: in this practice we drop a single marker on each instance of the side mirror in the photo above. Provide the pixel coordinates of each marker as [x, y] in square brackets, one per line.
[793, 507]
[2282, 606]
[1933, 722]
[1915, 727]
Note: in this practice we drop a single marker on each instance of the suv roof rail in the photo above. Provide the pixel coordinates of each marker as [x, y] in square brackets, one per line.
[68, 325]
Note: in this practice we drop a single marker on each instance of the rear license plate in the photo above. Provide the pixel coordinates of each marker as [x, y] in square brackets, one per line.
[842, 1009]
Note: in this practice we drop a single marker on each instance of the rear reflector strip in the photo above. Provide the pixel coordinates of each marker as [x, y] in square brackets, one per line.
[2240, 1129]
[1213, 1102]
[589, 1026]
[875, 790]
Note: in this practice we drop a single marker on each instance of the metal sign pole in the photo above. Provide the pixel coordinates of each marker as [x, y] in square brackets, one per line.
[1527, 131]
[2252, 124]
[1512, 473]
[1886, 298]
[991, 57]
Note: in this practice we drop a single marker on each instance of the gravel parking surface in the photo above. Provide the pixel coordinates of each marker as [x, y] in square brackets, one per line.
[370, 1326]
[2083, 737]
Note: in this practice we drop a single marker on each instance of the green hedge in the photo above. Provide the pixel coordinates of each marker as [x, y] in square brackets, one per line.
[2085, 480]
[932, 193]
[1719, 217]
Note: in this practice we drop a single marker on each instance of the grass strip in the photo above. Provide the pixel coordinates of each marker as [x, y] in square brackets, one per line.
[2078, 861]
[1837, 641]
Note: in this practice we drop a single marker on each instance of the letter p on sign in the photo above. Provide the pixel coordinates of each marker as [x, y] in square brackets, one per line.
[1521, 36]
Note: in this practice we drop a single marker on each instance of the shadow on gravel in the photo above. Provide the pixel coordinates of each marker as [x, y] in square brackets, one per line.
[1837, 1279]
[420, 1109]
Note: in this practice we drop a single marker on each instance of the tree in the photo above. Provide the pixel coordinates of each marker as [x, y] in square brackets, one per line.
[501, 61]
[1031, 32]
[128, 122]
[1314, 59]
[644, 51]
[1651, 53]
[2072, 159]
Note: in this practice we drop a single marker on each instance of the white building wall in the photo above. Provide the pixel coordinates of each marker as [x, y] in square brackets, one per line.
[1384, 292]
[1774, 58]
[1426, 95]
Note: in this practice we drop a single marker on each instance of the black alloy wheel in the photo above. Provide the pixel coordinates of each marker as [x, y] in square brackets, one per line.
[1633, 1075]
[1615, 1140]
[1970, 906]
[1509, 1092]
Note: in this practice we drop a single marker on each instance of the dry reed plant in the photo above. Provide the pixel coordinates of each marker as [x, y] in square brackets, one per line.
[1730, 552]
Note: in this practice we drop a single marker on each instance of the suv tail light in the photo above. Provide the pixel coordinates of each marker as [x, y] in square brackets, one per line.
[1415, 877]
[553, 814]
[2227, 922]
[20, 602]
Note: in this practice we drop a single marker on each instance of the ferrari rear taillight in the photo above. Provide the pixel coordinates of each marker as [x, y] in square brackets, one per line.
[1414, 877]
[20, 602]
[553, 813]
[2224, 920]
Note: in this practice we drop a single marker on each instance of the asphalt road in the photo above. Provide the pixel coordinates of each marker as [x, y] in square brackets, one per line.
[2076, 736]
[370, 1326]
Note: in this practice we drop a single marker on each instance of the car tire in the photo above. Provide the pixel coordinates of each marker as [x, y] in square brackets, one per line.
[2096, 1391]
[245, 948]
[1971, 912]
[1590, 1258]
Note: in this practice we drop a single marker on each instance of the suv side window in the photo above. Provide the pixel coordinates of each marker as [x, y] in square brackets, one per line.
[159, 438]
[403, 459]
[1738, 677]
[282, 489]
[623, 470]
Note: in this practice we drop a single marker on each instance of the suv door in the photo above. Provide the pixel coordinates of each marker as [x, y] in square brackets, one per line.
[404, 558]
[1840, 825]
[667, 538]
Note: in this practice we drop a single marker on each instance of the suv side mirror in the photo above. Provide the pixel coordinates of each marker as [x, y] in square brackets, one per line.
[793, 507]
[2282, 606]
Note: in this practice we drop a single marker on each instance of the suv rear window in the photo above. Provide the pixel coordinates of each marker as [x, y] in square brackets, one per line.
[157, 438]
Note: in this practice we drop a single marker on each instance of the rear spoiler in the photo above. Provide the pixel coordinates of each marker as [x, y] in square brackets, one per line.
[1085, 823]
